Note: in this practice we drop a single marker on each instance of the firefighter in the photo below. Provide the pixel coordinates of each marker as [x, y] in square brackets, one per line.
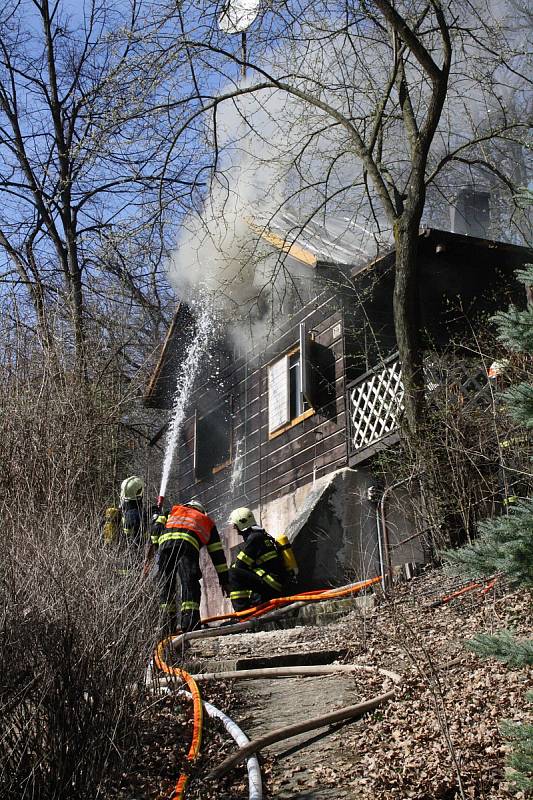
[134, 516]
[178, 539]
[258, 573]
[126, 527]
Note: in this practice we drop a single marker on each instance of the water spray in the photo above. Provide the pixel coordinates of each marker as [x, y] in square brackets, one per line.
[187, 373]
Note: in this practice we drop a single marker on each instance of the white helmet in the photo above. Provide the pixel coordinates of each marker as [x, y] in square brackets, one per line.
[197, 505]
[131, 488]
[242, 518]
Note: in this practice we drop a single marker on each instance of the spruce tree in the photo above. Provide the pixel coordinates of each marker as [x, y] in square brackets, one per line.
[505, 544]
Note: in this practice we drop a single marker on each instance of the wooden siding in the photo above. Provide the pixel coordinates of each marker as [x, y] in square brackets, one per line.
[271, 468]
[462, 268]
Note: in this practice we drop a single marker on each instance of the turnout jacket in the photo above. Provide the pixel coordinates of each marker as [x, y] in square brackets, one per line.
[260, 556]
[135, 521]
[189, 528]
[128, 525]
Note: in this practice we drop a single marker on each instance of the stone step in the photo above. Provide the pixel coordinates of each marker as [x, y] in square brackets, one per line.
[321, 613]
[195, 665]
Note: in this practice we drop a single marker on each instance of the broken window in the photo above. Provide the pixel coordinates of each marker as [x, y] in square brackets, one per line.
[212, 441]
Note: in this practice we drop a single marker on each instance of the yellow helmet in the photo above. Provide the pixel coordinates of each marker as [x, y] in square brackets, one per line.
[242, 518]
[131, 488]
[197, 505]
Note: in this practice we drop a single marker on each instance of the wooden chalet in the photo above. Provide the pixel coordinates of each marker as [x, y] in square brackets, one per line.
[291, 427]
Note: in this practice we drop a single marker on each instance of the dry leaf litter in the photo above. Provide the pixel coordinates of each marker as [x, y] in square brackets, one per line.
[439, 739]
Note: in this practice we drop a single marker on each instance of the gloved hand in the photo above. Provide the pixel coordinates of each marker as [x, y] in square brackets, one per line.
[155, 526]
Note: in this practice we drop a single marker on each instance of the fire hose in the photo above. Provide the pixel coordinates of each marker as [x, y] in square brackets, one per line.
[483, 586]
[247, 748]
[247, 620]
[270, 610]
[255, 788]
[194, 750]
[314, 595]
[349, 712]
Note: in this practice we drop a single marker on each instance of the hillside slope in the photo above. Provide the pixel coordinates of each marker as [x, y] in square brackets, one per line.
[438, 740]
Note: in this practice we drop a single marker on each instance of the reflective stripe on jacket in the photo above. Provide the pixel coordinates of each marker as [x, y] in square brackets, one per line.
[185, 524]
[189, 519]
[260, 555]
[174, 536]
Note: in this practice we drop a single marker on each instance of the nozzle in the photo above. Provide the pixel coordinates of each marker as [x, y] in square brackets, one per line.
[160, 501]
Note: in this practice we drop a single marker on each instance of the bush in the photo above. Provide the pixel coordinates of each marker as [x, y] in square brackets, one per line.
[75, 635]
[75, 639]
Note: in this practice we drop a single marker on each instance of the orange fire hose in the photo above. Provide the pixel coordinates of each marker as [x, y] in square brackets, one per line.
[265, 606]
[311, 596]
[489, 586]
[194, 750]
[470, 587]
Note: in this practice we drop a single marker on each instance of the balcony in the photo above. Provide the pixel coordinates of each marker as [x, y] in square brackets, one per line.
[375, 400]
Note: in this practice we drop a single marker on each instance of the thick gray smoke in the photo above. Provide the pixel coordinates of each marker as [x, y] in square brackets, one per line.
[285, 167]
[220, 249]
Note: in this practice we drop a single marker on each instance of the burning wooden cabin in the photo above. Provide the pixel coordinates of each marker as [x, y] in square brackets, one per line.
[292, 427]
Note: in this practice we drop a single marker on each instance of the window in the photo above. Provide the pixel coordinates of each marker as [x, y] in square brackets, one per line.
[288, 382]
[299, 383]
[212, 441]
[297, 402]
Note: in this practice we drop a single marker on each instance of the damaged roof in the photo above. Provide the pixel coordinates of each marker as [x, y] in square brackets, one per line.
[334, 240]
[163, 379]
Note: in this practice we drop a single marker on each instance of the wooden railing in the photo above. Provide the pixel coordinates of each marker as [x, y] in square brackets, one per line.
[375, 399]
[374, 403]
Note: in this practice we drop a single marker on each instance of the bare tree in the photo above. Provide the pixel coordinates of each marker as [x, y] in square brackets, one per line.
[83, 121]
[384, 98]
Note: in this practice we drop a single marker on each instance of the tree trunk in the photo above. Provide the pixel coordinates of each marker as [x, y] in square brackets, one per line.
[407, 319]
[77, 305]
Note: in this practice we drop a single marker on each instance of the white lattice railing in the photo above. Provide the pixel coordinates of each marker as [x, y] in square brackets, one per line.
[375, 401]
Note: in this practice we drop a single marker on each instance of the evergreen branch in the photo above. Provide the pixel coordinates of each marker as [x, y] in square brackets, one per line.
[503, 646]
[505, 545]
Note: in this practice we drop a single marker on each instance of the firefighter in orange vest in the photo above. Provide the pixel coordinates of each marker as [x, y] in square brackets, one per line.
[178, 539]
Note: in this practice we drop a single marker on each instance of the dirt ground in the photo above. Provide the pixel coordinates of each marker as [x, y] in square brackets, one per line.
[438, 739]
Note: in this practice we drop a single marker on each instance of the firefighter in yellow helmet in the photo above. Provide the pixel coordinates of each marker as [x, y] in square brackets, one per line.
[178, 539]
[128, 524]
[258, 573]
[135, 520]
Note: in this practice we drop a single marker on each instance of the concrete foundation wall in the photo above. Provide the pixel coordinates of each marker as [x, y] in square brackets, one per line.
[334, 535]
[333, 528]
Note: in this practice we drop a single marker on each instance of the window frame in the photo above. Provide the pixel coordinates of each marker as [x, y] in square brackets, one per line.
[301, 417]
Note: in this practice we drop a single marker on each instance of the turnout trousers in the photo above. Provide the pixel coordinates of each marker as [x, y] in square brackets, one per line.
[180, 560]
[247, 589]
